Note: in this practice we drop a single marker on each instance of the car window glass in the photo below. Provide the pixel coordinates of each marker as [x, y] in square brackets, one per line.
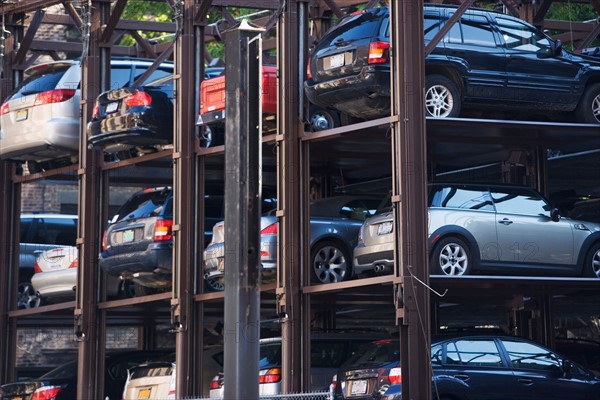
[270, 355]
[24, 228]
[518, 36]
[472, 198]
[326, 353]
[157, 74]
[481, 353]
[529, 356]
[120, 76]
[431, 26]
[61, 231]
[477, 31]
[68, 370]
[436, 354]
[357, 210]
[40, 81]
[145, 205]
[376, 353]
[517, 201]
[163, 81]
[361, 27]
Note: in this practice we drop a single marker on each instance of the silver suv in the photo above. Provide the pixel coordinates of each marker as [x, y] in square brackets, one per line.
[504, 229]
[40, 120]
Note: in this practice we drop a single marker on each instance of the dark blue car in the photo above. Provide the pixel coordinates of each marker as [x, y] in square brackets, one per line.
[470, 367]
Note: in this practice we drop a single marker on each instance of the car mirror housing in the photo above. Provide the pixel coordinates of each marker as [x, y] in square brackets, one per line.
[555, 215]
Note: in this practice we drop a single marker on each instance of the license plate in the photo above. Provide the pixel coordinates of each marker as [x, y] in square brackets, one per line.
[128, 236]
[358, 387]
[22, 115]
[385, 228]
[144, 393]
[112, 107]
[336, 60]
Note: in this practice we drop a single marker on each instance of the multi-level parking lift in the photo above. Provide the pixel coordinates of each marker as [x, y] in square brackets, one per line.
[403, 152]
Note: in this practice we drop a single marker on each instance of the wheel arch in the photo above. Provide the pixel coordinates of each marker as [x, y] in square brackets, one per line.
[588, 243]
[458, 232]
[451, 73]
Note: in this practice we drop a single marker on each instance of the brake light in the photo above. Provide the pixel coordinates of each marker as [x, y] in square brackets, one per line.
[96, 110]
[270, 230]
[4, 109]
[395, 376]
[270, 375]
[36, 267]
[378, 52]
[216, 383]
[74, 263]
[163, 230]
[333, 384]
[104, 243]
[46, 393]
[138, 99]
[308, 74]
[53, 96]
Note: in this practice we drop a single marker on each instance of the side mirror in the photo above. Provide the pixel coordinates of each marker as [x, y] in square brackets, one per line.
[555, 215]
[557, 47]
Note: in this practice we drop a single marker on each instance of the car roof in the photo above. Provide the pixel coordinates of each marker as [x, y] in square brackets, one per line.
[48, 215]
[329, 206]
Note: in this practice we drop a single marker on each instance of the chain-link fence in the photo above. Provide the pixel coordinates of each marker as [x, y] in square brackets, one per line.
[288, 396]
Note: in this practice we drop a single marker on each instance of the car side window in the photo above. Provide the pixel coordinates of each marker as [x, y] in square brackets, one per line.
[437, 353]
[471, 198]
[24, 227]
[522, 37]
[326, 353]
[520, 201]
[431, 26]
[529, 356]
[472, 30]
[474, 353]
[61, 231]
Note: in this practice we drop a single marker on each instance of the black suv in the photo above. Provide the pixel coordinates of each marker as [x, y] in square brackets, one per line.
[487, 60]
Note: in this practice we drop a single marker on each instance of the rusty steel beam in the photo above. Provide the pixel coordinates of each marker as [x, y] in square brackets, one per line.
[447, 25]
[512, 6]
[202, 11]
[115, 16]
[144, 44]
[591, 37]
[29, 35]
[75, 18]
[541, 11]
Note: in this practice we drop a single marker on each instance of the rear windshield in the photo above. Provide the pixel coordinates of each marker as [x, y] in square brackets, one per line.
[147, 204]
[40, 81]
[379, 352]
[356, 27]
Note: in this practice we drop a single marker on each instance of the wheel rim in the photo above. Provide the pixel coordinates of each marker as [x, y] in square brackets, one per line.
[216, 284]
[330, 265]
[596, 264]
[453, 260]
[596, 108]
[27, 297]
[439, 101]
[321, 121]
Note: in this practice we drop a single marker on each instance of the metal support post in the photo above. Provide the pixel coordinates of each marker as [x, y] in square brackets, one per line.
[242, 210]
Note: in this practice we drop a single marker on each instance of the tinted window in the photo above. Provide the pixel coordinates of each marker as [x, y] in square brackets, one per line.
[431, 26]
[358, 210]
[472, 198]
[529, 356]
[477, 31]
[437, 353]
[45, 79]
[157, 74]
[24, 227]
[60, 231]
[326, 353]
[270, 355]
[520, 201]
[119, 76]
[358, 27]
[145, 205]
[480, 353]
[518, 36]
[379, 352]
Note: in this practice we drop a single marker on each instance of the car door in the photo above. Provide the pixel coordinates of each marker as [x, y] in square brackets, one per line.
[471, 45]
[539, 374]
[527, 235]
[533, 73]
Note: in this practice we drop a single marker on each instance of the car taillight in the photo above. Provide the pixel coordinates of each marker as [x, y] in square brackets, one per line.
[138, 99]
[46, 393]
[308, 74]
[36, 267]
[4, 109]
[74, 263]
[378, 52]
[270, 230]
[163, 230]
[216, 383]
[104, 243]
[96, 109]
[270, 375]
[333, 384]
[53, 96]
[395, 376]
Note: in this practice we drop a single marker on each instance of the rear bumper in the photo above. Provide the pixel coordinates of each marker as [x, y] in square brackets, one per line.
[377, 258]
[132, 130]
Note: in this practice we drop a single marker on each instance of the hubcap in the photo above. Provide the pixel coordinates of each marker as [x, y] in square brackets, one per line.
[330, 265]
[453, 260]
[596, 264]
[439, 101]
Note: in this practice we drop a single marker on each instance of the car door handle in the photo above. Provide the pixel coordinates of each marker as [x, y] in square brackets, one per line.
[525, 381]
[462, 377]
[505, 221]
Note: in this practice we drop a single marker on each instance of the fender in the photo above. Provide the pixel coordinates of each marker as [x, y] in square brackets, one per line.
[454, 230]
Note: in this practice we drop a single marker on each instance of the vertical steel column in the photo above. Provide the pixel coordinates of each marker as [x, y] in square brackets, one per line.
[185, 195]
[7, 251]
[409, 195]
[89, 321]
[290, 178]
[242, 210]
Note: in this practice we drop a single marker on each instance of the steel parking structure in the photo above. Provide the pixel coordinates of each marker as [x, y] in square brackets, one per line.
[409, 148]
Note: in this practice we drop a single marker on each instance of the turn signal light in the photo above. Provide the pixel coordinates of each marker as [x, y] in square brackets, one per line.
[378, 52]
[163, 230]
[270, 375]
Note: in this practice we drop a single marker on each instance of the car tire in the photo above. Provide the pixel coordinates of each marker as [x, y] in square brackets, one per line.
[215, 285]
[588, 110]
[451, 257]
[591, 267]
[34, 167]
[321, 118]
[26, 296]
[442, 97]
[140, 290]
[330, 262]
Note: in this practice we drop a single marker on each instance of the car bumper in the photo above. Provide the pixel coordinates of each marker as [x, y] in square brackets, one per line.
[131, 130]
[214, 262]
[211, 118]
[55, 283]
[378, 258]
[366, 95]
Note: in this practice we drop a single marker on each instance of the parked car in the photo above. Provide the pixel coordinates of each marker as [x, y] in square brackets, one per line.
[55, 276]
[135, 119]
[40, 120]
[39, 233]
[212, 106]
[487, 60]
[494, 228]
[334, 225]
[465, 367]
[328, 351]
[157, 379]
[61, 382]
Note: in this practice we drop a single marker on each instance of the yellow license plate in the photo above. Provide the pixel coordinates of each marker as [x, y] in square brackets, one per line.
[144, 393]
